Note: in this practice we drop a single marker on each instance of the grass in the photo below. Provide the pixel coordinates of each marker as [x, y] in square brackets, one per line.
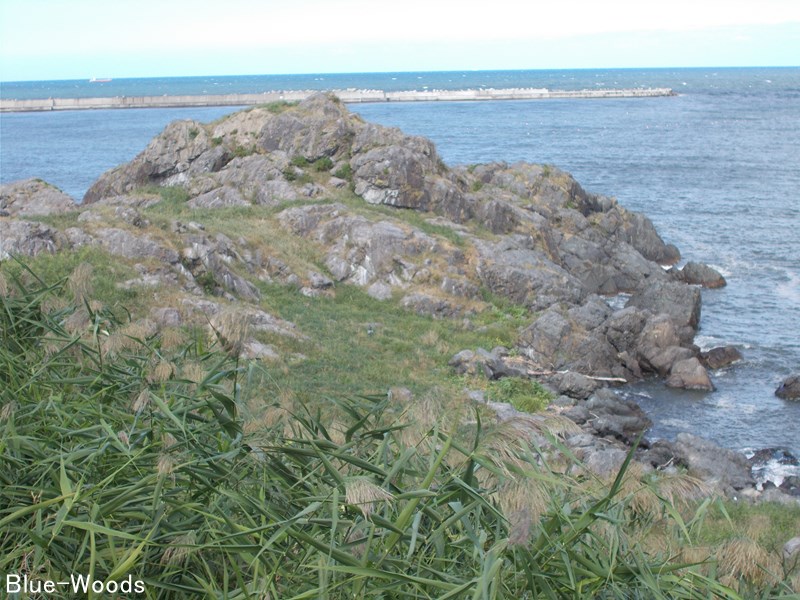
[169, 464]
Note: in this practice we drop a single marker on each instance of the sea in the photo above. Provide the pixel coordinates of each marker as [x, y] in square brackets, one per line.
[716, 167]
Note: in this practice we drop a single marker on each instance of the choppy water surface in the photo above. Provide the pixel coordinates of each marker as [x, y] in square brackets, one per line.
[717, 169]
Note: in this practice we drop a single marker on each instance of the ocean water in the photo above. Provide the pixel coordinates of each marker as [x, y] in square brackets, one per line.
[717, 168]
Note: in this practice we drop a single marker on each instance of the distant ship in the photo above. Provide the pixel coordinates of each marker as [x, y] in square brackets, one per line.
[100, 80]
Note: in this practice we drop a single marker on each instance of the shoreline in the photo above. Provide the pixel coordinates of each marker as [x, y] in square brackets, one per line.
[348, 96]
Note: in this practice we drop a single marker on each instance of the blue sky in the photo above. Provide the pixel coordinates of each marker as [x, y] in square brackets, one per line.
[77, 39]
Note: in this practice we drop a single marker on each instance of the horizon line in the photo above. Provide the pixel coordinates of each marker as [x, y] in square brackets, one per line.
[309, 73]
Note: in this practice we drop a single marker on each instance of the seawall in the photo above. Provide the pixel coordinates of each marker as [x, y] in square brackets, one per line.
[348, 96]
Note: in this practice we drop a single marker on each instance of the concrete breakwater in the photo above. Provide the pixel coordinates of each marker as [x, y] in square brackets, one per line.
[348, 96]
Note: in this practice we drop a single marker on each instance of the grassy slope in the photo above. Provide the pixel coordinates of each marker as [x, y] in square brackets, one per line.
[342, 359]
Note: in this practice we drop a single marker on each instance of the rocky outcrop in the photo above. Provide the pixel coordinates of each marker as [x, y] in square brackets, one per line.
[790, 388]
[33, 197]
[695, 273]
[25, 238]
[730, 470]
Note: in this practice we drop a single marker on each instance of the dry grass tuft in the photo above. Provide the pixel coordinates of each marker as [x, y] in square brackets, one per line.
[681, 489]
[7, 411]
[77, 321]
[193, 371]
[163, 371]
[166, 465]
[179, 549]
[231, 329]
[141, 402]
[523, 501]
[79, 283]
[742, 557]
[361, 492]
[172, 338]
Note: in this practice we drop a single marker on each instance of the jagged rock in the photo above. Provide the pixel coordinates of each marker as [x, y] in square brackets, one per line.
[557, 342]
[574, 385]
[183, 147]
[613, 416]
[513, 269]
[791, 550]
[33, 197]
[122, 242]
[222, 197]
[426, 304]
[25, 238]
[208, 259]
[319, 126]
[689, 374]
[721, 357]
[256, 350]
[681, 302]
[166, 316]
[790, 388]
[380, 291]
[712, 463]
[699, 274]
[130, 215]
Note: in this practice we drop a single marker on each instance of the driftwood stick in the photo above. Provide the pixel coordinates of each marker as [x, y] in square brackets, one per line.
[547, 373]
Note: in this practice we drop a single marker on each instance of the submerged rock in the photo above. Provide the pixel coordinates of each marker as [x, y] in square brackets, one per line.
[721, 357]
[790, 388]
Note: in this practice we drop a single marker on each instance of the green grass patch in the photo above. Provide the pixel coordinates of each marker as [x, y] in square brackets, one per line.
[123, 457]
[523, 394]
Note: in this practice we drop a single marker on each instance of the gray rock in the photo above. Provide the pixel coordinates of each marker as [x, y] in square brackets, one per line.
[380, 291]
[256, 350]
[122, 242]
[25, 238]
[700, 274]
[728, 469]
[166, 316]
[575, 385]
[689, 374]
[791, 549]
[426, 304]
[184, 147]
[129, 215]
[223, 197]
[721, 357]
[33, 197]
[556, 342]
[680, 301]
[790, 388]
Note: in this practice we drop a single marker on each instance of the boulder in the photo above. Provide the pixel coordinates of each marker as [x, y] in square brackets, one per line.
[730, 470]
[122, 242]
[791, 550]
[695, 273]
[575, 385]
[721, 357]
[680, 301]
[689, 374]
[33, 197]
[790, 388]
[26, 238]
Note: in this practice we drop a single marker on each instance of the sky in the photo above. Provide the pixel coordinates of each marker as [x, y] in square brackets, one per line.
[77, 39]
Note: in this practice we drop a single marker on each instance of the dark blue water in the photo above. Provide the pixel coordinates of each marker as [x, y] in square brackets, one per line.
[717, 168]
